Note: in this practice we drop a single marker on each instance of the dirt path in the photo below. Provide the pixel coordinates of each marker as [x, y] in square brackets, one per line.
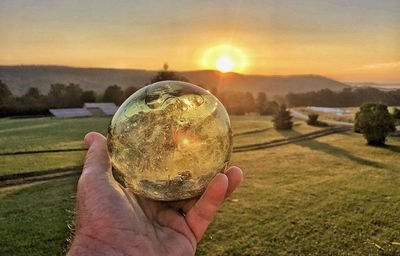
[39, 177]
[285, 141]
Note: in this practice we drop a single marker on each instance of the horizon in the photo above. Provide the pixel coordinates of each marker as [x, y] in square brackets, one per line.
[350, 83]
[348, 42]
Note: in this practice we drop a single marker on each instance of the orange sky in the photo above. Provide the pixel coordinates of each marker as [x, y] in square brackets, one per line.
[357, 41]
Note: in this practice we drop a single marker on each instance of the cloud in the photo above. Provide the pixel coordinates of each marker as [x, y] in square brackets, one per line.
[385, 65]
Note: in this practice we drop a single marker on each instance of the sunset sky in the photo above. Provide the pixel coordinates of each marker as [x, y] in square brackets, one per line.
[357, 40]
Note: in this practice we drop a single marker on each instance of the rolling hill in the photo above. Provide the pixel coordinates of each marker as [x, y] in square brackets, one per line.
[20, 78]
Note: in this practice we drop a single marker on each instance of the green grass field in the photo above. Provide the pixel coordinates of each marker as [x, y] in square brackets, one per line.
[44, 134]
[329, 196]
[50, 133]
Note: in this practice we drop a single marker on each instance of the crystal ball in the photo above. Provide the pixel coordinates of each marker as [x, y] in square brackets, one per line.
[168, 140]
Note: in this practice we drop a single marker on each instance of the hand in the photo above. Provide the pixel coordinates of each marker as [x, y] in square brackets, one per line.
[113, 221]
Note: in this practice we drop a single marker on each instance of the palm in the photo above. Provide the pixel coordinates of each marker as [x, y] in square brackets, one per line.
[111, 215]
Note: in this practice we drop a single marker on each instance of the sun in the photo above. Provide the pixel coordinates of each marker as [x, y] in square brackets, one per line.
[224, 58]
[224, 64]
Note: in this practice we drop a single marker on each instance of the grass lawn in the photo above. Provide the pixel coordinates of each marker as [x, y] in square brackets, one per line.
[51, 133]
[329, 196]
[34, 217]
[43, 134]
[12, 164]
[47, 133]
[300, 127]
[242, 124]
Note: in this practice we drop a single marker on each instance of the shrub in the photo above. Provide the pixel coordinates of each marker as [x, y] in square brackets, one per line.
[374, 122]
[313, 120]
[282, 119]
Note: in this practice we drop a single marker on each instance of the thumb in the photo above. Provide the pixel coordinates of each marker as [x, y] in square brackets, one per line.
[97, 159]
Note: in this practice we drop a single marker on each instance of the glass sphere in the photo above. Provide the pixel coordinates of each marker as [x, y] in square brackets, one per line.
[168, 140]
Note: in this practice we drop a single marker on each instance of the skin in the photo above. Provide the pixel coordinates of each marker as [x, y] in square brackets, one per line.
[113, 221]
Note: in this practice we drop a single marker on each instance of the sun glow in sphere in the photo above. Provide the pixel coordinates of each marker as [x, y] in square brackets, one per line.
[168, 140]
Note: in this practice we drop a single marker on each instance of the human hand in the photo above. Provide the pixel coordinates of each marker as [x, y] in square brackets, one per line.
[111, 220]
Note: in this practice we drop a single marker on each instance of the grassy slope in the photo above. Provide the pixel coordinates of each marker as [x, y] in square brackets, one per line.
[41, 134]
[299, 128]
[51, 133]
[34, 218]
[330, 196]
[47, 133]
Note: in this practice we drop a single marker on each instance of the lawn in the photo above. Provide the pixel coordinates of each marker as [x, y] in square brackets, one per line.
[47, 133]
[51, 133]
[43, 134]
[329, 196]
[34, 217]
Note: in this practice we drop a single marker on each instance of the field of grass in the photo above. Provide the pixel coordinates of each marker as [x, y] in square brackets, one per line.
[34, 217]
[50, 133]
[329, 196]
[44, 134]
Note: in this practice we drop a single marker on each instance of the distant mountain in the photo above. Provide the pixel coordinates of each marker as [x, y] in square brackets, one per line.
[381, 86]
[20, 78]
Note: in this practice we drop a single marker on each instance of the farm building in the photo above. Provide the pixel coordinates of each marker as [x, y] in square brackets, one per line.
[89, 109]
[101, 109]
[70, 112]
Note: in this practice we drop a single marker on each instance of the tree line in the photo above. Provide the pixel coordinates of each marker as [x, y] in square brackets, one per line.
[348, 97]
[33, 102]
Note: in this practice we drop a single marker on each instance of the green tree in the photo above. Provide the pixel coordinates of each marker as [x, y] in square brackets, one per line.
[88, 96]
[57, 96]
[261, 102]
[8, 104]
[164, 75]
[5, 94]
[249, 102]
[374, 122]
[73, 94]
[65, 96]
[282, 119]
[33, 93]
[129, 91]
[31, 103]
[114, 93]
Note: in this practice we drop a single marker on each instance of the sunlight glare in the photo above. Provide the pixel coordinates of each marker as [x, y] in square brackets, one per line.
[224, 58]
[224, 64]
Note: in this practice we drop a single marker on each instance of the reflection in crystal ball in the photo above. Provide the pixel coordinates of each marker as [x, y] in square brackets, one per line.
[168, 140]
